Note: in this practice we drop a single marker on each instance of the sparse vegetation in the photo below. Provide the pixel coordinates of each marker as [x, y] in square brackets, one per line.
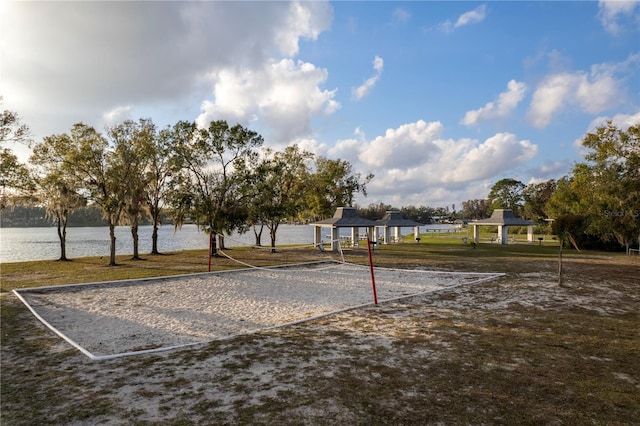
[520, 350]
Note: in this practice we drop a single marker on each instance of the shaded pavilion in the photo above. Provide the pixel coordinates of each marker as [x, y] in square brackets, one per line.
[503, 219]
[394, 220]
[344, 217]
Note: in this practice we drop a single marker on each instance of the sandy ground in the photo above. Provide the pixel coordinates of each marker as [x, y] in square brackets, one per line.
[107, 319]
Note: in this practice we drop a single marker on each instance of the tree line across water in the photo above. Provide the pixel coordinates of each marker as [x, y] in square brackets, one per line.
[222, 178]
[596, 206]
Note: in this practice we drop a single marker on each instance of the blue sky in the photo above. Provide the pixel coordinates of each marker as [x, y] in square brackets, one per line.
[439, 100]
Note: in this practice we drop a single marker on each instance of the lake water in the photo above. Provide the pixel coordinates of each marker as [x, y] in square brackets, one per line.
[23, 244]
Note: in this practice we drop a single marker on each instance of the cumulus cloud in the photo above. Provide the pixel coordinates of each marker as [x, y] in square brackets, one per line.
[489, 158]
[591, 92]
[473, 16]
[404, 147]
[366, 87]
[414, 159]
[303, 20]
[611, 10]
[282, 95]
[117, 115]
[311, 145]
[500, 108]
[140, 53]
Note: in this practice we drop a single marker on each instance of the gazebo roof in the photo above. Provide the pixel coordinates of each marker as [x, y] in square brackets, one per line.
[345, 217]
[395, 218]
[503, 217]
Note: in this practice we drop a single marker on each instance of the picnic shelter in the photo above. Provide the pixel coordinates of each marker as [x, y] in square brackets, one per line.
[503, 219]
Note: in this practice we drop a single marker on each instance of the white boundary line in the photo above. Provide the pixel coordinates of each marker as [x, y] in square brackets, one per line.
[488, 276]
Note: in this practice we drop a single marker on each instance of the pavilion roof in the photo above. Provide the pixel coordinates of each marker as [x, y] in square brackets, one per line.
[345, 217]
[503, 217]
[395, 218]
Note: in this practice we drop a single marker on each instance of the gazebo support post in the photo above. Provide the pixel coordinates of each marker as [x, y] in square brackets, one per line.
[476, 234]
[503, 234]
[317, 235]
[335, 239]
[530, 233]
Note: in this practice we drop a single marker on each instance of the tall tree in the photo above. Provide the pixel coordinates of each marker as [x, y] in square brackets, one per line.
[11, 128]
[280, 184]
[60, 198]
[333, 184]
[16, 185]
[611, 182]
[210, 187]
[105, 171]
[163, 165]
[536, 196]
[475, 209]
[421, 214]
[133, 145]
[507, 194]
[374, 211]
[57, 189]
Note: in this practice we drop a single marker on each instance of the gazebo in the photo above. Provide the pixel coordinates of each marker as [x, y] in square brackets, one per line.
[503, 219]
[395, 220]
[344, 217]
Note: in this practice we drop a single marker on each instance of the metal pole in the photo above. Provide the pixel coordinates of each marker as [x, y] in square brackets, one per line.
[373, 279]
[210, 247]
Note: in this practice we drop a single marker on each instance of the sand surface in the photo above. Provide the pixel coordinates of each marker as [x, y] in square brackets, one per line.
[114, 318]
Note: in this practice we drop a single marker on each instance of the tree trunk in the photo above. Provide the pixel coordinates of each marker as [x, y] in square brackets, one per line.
[213, 239]
[273, 228]
[112, 247]
[134, 236]
[221, 242]
[62, 235]
[154, 234]
[258, 234]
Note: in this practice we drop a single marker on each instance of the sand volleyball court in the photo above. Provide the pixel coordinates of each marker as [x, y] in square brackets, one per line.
[113, 319]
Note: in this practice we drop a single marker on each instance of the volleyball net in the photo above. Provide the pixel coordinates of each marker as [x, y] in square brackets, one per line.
[113, 319]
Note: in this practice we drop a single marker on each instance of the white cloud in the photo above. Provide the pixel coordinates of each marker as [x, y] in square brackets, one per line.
[282, 96]
[611, 10]
[306, 20]
[592, 92]
[500, 108]
[473, 16]
[413, 160]
[117, 115]
[489, 158]
[366, 87]
[476, 15]
[311, 145]
[404, 147]
[141, 54]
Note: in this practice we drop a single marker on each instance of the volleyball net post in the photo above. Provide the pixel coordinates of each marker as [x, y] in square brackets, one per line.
[373, 278]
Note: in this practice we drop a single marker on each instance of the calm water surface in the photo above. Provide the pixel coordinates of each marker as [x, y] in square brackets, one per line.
[22, 244]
